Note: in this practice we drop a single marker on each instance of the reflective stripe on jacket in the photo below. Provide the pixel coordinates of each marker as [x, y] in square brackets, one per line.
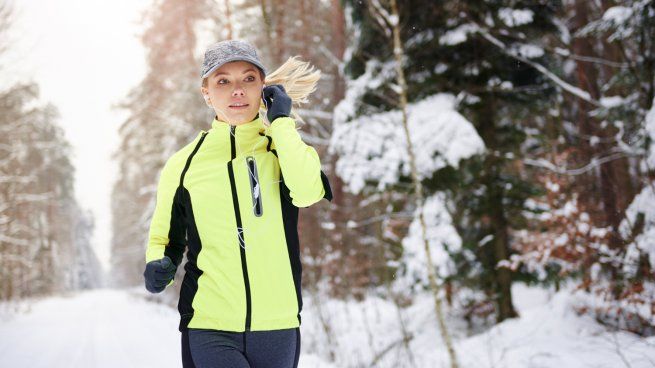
[232, 196]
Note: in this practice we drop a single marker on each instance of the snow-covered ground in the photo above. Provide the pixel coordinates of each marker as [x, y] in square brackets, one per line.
[120, 328]
[548, 334]
[99, 328]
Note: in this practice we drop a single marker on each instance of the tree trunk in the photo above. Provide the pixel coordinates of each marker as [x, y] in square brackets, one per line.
[498, 220]
[267, 22]
[228, 17]
[278, 52]
[418, 187]
[338, 49]
[611, 182]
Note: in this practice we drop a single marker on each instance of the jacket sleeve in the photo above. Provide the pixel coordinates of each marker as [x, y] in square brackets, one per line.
[300, 164]
[167, 234]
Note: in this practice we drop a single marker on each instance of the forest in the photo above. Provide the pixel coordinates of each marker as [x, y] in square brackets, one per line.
[476, 150]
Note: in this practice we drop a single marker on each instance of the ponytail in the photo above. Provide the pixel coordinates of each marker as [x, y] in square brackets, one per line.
[298, 79]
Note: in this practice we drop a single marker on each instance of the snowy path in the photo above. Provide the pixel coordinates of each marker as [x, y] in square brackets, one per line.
[100, 328]
[119, 328]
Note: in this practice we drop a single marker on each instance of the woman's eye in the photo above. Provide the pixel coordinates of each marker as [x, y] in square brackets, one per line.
[250, 78]
[222, 81]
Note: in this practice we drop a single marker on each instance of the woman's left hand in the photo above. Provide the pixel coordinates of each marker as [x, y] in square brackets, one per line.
[277, 101]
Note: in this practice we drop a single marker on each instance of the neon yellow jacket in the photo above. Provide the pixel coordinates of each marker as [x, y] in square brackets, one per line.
[231, 197]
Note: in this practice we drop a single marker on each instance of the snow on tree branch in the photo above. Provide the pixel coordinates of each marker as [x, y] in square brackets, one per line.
[372, 148]
[512, 52]
[442, 237]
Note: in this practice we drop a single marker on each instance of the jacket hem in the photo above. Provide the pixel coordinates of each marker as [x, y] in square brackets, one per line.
[191, 321]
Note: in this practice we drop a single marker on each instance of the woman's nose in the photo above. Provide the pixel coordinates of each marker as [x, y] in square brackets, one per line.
[238, 92]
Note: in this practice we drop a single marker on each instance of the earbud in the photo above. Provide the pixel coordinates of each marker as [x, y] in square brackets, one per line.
[263, 99]
[207, 100]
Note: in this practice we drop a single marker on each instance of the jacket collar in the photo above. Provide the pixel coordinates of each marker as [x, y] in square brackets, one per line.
[252, 127]
[249, 137]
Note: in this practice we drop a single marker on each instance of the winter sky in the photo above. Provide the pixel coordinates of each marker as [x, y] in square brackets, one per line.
[85, 55]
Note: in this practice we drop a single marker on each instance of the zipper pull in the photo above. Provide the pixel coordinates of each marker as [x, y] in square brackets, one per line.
[255, 190]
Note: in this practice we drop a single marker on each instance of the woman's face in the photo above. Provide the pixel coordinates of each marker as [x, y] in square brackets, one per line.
[234, 92]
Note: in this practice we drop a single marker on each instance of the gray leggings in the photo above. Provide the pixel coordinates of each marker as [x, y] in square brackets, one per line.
[251, 349]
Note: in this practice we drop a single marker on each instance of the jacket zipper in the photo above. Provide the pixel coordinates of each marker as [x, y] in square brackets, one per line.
[240, 236]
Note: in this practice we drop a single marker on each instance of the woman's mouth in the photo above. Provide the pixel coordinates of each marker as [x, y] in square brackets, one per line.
[239, 106]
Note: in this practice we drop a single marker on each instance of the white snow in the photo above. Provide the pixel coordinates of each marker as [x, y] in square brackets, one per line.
[393, 20]
[119, 328]
[612, 101]
[644, 204]
[95, 329]
[376, 74]
[419, 39]
[457, 35]
[617, 14]
[633, 311]
[515, 17]
[548, 334]
[373, 147]
[440, 68]
[442, 239]
[102, 328]
[619, 22]
[528, 51]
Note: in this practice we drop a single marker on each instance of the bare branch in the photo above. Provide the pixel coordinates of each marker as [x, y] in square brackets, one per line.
[584, 95]
[403, 340]
[333, 59]
[590, 59]
[21, 179]
[381, 16]
[14, 241]
[595, 162]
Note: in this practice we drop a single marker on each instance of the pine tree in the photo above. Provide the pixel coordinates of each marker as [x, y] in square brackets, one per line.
[39, 253]
[448, 51]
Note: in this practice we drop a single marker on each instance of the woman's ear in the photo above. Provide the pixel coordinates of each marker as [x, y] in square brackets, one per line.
[207, 99]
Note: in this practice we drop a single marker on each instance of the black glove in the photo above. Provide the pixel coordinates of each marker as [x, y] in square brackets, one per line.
[158, 274]
[277, 102]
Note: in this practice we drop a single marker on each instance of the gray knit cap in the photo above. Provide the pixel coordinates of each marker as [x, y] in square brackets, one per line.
[228, 51]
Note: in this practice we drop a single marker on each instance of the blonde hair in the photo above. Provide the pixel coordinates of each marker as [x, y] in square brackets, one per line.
[299, 80]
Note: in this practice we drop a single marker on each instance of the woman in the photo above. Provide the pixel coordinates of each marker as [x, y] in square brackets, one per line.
[232, 196]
